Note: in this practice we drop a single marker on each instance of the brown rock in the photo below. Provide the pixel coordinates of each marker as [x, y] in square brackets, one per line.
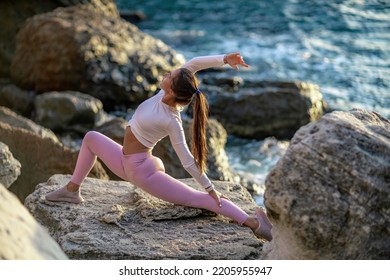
[15, 13]
[40, 158]
[76, 48]
[15, 120]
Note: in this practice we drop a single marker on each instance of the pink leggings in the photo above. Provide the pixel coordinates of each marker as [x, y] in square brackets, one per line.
[146, 172]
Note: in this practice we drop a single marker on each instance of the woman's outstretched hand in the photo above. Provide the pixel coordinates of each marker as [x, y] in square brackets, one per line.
[217, 197]
[235, 59]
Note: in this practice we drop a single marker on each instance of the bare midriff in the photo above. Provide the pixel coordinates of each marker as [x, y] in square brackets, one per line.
[131, 145]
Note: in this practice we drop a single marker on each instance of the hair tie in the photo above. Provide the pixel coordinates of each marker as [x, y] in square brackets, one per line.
[197, 91]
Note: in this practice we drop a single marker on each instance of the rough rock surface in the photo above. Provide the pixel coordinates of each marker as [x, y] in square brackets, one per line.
[119, 221]
[329, 195]
[21, 237]
[9, 166]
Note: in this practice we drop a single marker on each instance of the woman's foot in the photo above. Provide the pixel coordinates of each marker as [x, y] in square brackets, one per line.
[63, 195]
[263, 230]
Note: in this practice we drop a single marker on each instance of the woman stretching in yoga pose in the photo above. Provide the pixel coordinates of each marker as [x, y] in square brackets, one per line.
[155, 118]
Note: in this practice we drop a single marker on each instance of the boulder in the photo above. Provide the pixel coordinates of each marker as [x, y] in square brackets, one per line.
[120, 221]
[15, 13]
[263, 109]
[15, 120]
[9, 166]
[40, 158]
[328, 196]
[21, 237]
[18, 100]
[68, 110]
[77, 48]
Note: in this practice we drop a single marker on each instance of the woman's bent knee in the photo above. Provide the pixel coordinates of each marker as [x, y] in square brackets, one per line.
[158, 164]
[90, 135]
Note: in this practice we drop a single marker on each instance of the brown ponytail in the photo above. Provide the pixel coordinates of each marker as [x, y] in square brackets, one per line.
[185, 86]
[198, 136]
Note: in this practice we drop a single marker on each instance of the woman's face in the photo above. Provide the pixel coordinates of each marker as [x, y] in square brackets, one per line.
[166, 83]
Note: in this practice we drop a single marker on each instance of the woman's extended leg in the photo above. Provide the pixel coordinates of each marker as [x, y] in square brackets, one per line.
[94, 145]
[168, 188]
[150, 176]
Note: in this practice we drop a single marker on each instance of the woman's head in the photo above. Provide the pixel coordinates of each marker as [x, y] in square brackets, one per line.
[184, 86]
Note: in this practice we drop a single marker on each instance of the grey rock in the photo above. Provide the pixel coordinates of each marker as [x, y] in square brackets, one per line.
[262, 109]
[67, 110]
[18, 100]
[329, 195]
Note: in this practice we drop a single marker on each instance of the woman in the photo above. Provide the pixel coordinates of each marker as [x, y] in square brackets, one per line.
[155, 118]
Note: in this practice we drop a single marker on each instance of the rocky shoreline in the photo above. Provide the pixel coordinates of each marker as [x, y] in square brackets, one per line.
[73, 65]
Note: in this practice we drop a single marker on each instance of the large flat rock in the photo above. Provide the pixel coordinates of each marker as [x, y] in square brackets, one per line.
[120, 221]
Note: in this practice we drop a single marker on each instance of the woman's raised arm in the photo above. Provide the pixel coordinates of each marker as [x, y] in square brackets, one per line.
[203, 62]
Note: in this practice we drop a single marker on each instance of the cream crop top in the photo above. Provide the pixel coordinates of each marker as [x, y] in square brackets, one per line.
[153, 120]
